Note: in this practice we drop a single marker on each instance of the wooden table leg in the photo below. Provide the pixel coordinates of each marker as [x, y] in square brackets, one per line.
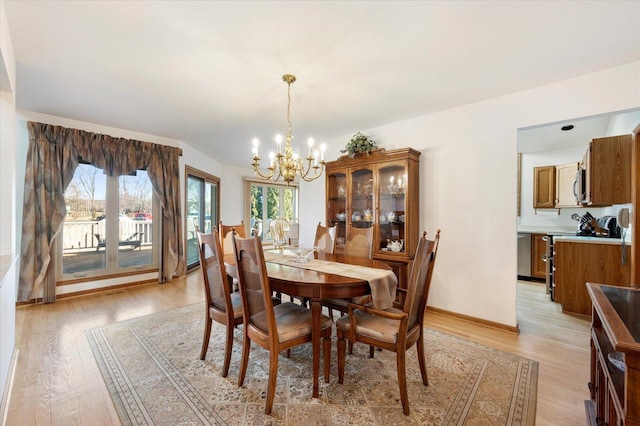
[316, 330]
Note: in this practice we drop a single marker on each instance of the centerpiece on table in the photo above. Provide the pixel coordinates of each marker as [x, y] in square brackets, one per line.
[359, 143]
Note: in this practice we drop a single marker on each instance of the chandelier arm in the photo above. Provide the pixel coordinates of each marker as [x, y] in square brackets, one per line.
[256, 169]
[318, 169]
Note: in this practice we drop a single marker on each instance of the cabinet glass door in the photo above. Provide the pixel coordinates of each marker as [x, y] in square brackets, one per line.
[361, 193]
[337, 205]
[392, 183]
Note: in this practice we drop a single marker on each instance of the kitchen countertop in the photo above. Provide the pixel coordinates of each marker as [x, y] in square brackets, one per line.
[551, 230]
[592, 240]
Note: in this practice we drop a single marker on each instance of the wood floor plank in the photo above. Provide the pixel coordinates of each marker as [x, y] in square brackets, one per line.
[57, 381]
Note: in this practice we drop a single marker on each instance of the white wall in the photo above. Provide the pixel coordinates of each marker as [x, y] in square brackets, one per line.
[468, 172]
[8, 214]
[622, 124]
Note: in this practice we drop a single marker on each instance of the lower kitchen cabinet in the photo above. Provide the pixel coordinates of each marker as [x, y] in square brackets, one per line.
[577, 263]
[538, 255]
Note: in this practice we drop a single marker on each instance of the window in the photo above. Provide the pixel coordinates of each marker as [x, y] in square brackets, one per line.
[202, 205]
[267, 202]
[109, 227]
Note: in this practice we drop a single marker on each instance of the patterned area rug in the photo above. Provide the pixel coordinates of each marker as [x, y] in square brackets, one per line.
[152, 368]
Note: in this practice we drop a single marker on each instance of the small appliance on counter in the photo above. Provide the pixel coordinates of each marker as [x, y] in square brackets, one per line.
[604, 227]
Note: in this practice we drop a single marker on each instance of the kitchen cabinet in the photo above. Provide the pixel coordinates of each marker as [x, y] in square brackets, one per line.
[613, 390]
[565, 185]
[378, 189]
[606, 171]
[544, 187]
[577, 263]
[538, 256]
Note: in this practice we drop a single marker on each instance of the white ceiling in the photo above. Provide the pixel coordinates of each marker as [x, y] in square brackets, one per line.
[209, 73]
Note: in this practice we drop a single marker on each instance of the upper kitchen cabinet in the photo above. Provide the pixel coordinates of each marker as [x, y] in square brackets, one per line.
[605, 172]
[566, 185]
[378, 189]
[544, 187]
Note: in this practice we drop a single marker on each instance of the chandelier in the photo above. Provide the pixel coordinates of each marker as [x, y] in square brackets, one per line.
[284, 162]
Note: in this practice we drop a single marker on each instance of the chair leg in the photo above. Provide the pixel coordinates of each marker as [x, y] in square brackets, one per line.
[206, 336]
[331, 314]
[228, 348]
[371, 351]
[246, 346]
[350, 347]
[273, 376]
[341, 356]
[421, 360]
[402, 380]
[326, 341]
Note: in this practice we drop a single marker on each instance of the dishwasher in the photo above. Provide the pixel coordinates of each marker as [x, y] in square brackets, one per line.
[524, 256]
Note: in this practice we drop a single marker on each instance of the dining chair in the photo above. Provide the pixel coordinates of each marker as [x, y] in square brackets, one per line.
[293, 236]
[279, 229]
[226, 240]
[398, 328]
[226, 243]
[325, 239]
[359, 244]
[221, 304]
[275, 328]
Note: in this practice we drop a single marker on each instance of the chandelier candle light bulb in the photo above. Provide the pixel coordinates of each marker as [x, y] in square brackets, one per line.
[288, 164]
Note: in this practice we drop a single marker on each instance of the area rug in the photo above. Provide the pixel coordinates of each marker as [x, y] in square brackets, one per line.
[152, 368]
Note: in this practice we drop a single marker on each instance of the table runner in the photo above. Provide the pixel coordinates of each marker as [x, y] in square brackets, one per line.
[382, 282]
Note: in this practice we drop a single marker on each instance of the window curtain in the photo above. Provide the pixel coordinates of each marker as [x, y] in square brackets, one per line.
[52, 159]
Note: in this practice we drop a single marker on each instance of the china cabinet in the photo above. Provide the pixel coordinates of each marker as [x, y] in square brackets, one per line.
[378, 189]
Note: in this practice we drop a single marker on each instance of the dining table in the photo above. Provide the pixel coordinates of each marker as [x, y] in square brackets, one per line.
[314, 281]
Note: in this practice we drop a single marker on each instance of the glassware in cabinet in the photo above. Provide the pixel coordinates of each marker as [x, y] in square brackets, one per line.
[361, 195]
[337, 204]
[392, 184]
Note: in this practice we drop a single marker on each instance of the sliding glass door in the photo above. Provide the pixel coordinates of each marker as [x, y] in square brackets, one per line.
[201, 210]
[109, 227]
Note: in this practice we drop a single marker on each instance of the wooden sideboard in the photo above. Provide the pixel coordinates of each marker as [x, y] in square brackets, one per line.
[614, 393]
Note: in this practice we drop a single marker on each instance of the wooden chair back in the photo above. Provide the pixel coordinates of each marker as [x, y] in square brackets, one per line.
[325, 238]
[213, 270]
[279, 229]
[226, 240]
[293, 236]
[419, 281]
[255, 290]
[359, 242]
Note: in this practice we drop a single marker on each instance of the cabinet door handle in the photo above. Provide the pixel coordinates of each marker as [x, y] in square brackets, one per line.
[544, 258]
[545, 238]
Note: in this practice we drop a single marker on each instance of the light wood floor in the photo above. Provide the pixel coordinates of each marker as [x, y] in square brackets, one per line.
[58, 383]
